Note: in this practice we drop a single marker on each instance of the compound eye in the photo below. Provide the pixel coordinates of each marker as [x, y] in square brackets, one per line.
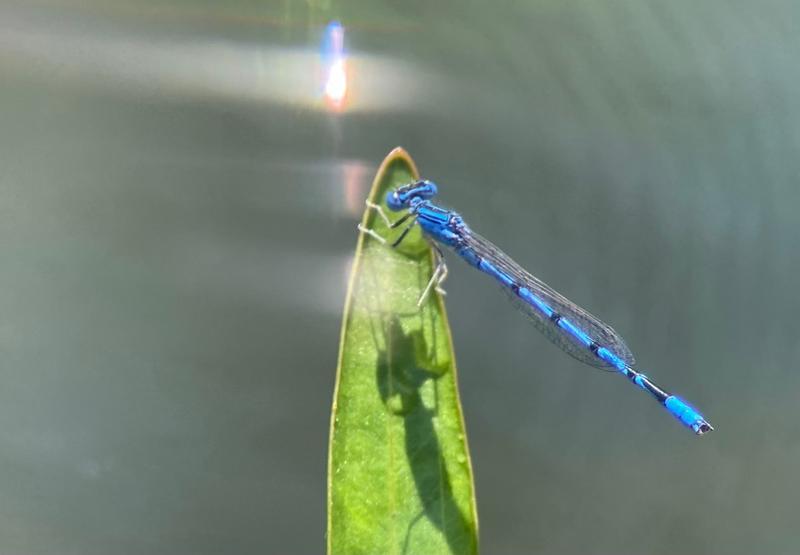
[430, 189]
[393, 201]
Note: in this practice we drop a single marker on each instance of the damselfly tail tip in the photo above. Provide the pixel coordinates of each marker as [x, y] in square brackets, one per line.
[704, 427]
[688, 416]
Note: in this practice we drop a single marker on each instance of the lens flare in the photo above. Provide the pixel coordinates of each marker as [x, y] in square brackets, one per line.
[335, 64]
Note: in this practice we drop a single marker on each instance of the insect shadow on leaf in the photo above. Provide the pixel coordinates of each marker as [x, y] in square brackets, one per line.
[400, 379]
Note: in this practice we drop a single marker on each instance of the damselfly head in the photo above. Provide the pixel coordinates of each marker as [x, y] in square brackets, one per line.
[407, 195]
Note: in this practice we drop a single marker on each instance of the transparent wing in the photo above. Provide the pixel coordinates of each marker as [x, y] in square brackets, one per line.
[600, 332]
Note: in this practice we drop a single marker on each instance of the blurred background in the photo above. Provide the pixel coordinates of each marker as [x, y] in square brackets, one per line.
[179, 187]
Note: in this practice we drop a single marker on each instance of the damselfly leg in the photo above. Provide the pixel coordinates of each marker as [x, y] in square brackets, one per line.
[390, 224]
[439, 272]
[438, 277]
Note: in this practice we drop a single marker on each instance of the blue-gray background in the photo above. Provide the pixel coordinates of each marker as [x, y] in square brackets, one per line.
[177, 217]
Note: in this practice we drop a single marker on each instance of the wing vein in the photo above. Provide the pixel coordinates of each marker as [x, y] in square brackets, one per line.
[600, 332]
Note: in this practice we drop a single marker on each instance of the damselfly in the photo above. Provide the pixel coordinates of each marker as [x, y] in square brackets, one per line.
[570, 327]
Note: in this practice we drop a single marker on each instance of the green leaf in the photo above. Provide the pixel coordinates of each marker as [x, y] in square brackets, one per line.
[399, 474]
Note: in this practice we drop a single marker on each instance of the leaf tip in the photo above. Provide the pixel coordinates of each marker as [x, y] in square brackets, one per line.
[398, 154]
